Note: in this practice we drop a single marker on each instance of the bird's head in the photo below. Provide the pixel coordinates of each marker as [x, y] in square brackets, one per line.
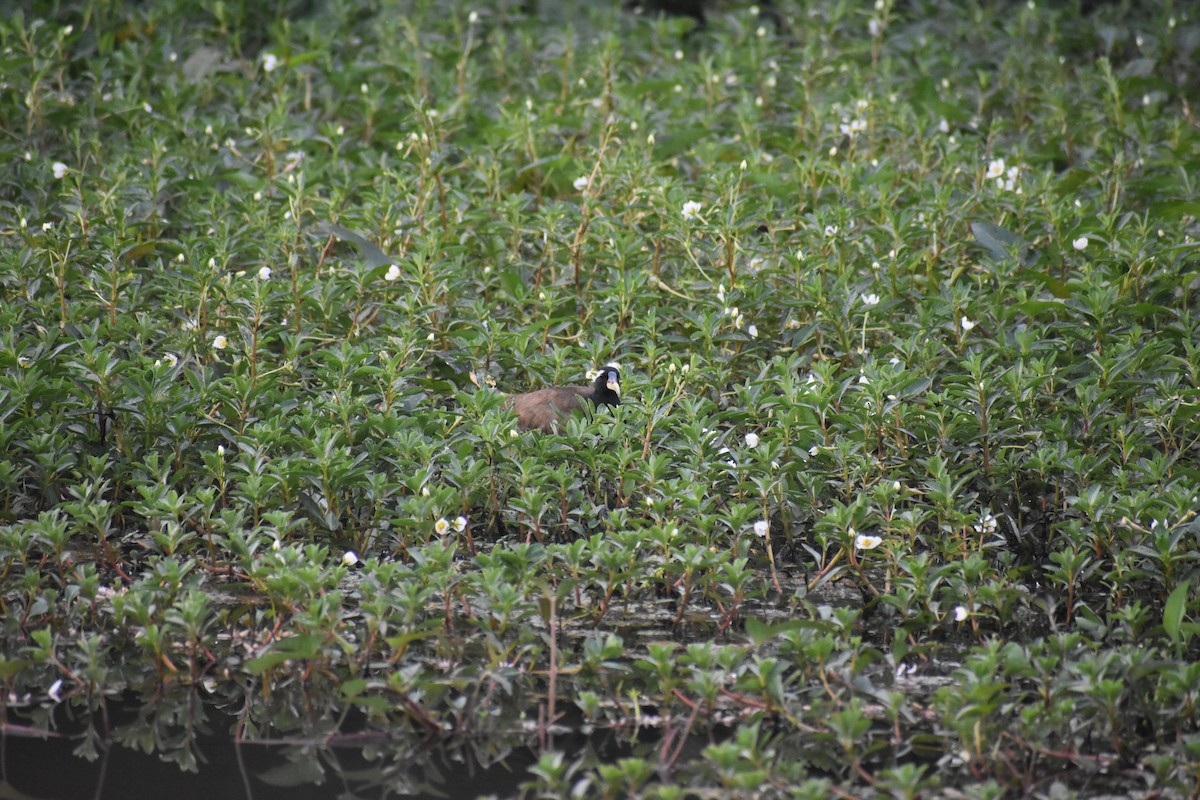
[608, 384]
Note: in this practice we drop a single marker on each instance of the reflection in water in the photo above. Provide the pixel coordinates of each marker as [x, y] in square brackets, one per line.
[183, 746]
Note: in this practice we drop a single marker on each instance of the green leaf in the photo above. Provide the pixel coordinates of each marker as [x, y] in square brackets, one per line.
[762, 632]
[369, 250]
[11, 667]
[1173, 612]
[202, 62]
[1000, 243]
[138, 251]
[915, 387]
[266, 661]
[1035, 308]
[1174, 210]
[301, 648]
[513, 283]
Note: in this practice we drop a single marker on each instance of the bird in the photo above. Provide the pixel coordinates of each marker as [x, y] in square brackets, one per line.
[544, 409]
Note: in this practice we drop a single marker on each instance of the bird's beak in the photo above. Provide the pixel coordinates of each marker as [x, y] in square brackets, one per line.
[614, 387]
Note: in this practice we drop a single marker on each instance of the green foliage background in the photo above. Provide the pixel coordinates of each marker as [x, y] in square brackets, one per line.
[943, 267]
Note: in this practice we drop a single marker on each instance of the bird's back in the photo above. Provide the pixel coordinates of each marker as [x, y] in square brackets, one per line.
[544, 408]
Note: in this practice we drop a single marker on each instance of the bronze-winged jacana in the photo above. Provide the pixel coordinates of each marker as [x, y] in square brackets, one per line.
[544, 409]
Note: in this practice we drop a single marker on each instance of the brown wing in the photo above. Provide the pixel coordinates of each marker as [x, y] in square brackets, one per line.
[542, 410]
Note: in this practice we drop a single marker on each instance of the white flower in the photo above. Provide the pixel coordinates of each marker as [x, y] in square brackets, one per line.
[460, 524]
[960, 613]
[874, 28]
[995, 168]
[220, 342]
[47, 226]
[170, 359]
[864, 542]
[60, 170]
[269, 62]
[986, 524]
[221, 450]
[1081, 243]
[753, 331]
[831, 230]
[350, 558]
[473, 17]
[276, 545]
[870, 300]
[56, 690]
[393, 273]
[966, 324]
[441, 527]
[581, 183]
[761, 528]
[853, 127]
[752, 440]
[1009, 182]
[944, 126]
[24, 362]
[691, 209]
[264, 273]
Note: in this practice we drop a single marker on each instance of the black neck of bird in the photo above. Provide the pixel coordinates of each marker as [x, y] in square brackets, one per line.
[600, 394]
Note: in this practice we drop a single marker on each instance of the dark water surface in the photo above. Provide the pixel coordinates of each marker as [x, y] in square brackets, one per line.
[355, 765]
